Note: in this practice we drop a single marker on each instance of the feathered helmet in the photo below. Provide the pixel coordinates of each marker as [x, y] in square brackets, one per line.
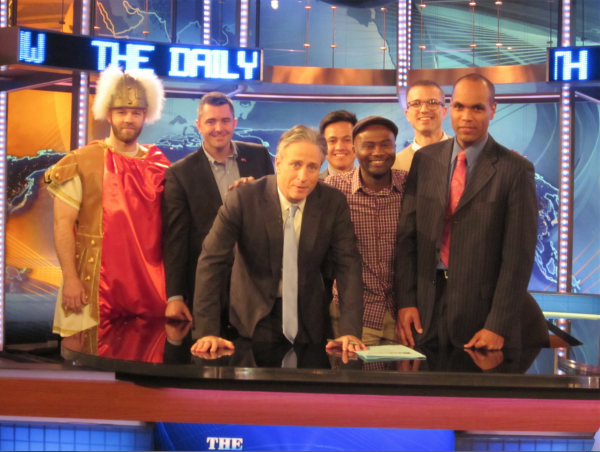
[131, 89]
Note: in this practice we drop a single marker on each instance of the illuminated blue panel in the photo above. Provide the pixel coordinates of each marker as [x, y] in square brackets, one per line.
[132, 56]
[573, 64]
[172, 436]
[569, 65]
[248, 67]
[179, 62]
[84, 53]
[102, 46]
[219, 67]
[30, 54]
[55, 436]
[216, 63]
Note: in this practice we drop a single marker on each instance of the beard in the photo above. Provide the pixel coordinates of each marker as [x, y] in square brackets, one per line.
[126, 137]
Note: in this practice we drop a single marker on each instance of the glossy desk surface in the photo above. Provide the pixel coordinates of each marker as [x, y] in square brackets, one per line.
[156, 353]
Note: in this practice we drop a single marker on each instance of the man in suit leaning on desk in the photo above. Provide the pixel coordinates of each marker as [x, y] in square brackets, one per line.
[467, 233]
[195, 188]
[283, 225]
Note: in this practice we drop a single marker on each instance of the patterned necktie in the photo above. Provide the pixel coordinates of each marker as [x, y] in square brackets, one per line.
[457, 187]
[290, 277]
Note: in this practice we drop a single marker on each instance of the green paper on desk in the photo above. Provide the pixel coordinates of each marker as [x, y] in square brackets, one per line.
[388, 353]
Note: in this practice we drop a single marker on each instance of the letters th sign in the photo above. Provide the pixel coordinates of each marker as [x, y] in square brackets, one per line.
[573, 64]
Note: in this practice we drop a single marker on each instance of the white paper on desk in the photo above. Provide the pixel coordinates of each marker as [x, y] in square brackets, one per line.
[389, 352]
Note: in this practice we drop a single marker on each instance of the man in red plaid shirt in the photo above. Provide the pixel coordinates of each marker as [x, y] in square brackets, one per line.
[374, 191]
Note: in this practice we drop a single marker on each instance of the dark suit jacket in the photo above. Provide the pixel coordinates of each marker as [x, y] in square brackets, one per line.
[492, 245]
[190, 205]
[251, 218]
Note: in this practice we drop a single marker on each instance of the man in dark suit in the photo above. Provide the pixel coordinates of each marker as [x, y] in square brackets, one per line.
[467, 234]
[283, 227]
[336, 127]
[195, 188]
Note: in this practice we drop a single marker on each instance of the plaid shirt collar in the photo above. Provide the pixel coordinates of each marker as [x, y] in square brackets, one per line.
[357, 183]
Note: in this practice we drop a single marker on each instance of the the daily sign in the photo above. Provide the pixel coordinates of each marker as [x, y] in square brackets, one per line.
[95, 54]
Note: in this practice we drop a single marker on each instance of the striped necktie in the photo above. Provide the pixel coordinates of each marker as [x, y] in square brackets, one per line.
[457, 187]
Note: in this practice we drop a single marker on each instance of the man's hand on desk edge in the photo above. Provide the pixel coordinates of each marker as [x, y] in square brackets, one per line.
[347, 343]
[211, 344]
[406, 318]
[237, 183]
[486, 339]
[178, 310]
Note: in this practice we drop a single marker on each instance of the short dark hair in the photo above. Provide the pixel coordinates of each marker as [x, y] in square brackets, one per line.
[425, 83]
[478, 78]
[215, 99]
[337, 116]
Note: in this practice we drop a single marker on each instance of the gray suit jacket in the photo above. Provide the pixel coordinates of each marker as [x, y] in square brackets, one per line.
[492, 246]
[251, 218]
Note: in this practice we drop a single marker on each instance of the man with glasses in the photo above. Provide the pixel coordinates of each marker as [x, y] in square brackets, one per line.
[425, 111]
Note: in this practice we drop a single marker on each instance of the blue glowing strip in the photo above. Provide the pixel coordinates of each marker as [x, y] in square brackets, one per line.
[206, 24]
[29, 53]
[3, 118]
[565, 186]
[3, 109]
[3, 13]
[409, 38]
[186, 62]
[403, 42]
[133, 56]
[85, 17]
[566, 24]
[565, 162]
[568, 65]
[44, 48]
[82, 110]
[244, 16]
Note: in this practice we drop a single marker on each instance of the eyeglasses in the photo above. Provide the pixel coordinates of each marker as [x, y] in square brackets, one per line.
[431, 103]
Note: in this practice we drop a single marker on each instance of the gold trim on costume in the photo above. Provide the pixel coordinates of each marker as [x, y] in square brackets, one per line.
[54, 188]
[142, 152]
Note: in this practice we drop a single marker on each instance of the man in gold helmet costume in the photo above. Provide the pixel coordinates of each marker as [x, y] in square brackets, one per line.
[107, 202]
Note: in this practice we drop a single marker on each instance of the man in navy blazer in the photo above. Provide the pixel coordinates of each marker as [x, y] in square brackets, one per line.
[195, 188]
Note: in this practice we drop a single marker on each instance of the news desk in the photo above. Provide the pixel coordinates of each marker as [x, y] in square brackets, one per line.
[143, 371]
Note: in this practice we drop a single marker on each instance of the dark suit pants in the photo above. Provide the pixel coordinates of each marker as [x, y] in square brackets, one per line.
[437, 333]
[270, 328]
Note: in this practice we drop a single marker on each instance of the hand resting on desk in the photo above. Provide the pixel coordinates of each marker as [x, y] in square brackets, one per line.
[211, 344]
